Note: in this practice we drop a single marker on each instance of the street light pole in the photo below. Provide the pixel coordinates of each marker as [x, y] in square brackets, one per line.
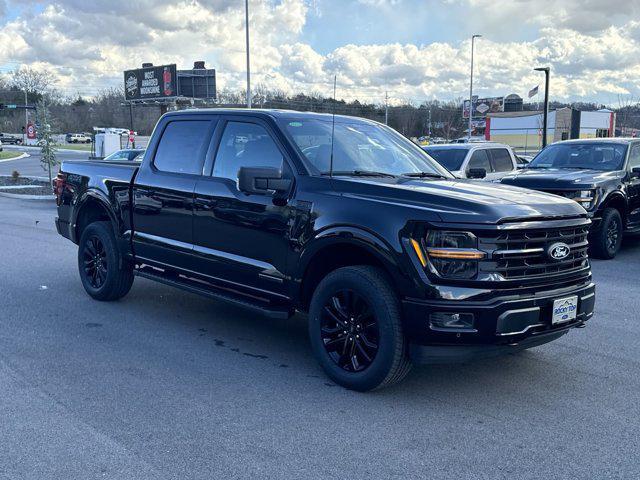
[545, 113]
[473, 39]
[386, 108]
[246, 27]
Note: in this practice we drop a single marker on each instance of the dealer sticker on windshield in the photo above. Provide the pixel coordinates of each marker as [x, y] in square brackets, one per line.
[564, 310]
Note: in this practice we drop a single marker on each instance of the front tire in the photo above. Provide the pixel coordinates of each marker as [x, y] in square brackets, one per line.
[356, 330]
[104, 273]
[607, 239]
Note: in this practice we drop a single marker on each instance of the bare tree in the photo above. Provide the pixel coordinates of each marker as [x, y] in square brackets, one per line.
[627, 116]
[36, 83]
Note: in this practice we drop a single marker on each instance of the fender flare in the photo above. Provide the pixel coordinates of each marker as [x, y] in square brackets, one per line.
[353, 236]
[92, 194]
[614, 197]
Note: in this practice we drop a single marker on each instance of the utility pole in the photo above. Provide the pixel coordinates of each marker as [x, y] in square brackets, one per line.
[133, 144]
[386, 108]
[429, 124]
[473, 39]
[545, 113]
[26, 118]
[246, 27]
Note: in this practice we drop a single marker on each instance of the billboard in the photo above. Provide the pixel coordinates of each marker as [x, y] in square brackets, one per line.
[151, 82]
[482, 106]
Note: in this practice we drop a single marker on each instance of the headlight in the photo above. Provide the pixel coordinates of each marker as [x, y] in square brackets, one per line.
[450, 254]
[586, 198]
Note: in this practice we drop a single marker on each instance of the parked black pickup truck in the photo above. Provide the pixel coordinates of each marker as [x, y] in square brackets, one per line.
[602, 175]
[392, 257]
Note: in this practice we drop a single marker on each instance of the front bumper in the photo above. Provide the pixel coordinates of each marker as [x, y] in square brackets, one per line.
[501, 324]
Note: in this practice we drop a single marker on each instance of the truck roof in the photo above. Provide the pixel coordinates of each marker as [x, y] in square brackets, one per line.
[271, 113]
[464, 146]
[621, 140]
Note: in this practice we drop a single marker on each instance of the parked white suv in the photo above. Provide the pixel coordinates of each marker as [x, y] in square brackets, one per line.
[467, 160]
[77, 138]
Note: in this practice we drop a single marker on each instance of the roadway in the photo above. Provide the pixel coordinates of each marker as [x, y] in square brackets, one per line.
[31, 166]
[164, 384]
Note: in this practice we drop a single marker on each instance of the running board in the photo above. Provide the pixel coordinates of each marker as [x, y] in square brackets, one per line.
[200, 288]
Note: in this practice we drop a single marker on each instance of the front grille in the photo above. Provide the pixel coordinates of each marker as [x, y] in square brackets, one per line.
[523, 254]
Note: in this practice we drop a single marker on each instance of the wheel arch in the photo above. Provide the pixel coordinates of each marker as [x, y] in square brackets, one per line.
[91, 207]
[619, 202]
[341, 247]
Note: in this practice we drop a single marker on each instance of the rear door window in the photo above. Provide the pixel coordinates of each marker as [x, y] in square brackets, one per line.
[183, 146]
[480, 159]
[501, 160]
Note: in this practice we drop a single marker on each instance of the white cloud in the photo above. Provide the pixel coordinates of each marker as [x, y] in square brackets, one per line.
[89, 44]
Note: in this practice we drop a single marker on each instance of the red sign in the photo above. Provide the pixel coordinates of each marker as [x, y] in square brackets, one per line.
[31, 131]
[132, 138]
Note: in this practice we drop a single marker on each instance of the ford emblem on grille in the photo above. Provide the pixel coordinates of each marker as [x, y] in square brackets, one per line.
[559, 251]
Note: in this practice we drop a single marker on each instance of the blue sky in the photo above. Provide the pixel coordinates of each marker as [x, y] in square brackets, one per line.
[414, 49]
[407, 21]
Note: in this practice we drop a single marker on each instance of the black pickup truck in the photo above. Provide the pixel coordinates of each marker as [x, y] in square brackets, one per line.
[602, 175]
[393, 258]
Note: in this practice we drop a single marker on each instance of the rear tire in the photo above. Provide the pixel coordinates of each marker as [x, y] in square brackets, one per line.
[354, 312]
[606, 240]
[104, 273]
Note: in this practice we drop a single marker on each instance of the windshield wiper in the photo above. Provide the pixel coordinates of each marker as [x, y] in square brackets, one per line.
[424, 175]
[360, 173]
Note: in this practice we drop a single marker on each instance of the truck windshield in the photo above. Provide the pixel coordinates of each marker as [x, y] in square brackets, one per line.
[450, 158]
[359, 147]
[589, 156]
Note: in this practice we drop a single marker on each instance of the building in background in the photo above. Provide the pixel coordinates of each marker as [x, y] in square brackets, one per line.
[522, 130]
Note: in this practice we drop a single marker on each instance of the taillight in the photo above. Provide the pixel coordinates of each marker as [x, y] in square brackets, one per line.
[59, 184]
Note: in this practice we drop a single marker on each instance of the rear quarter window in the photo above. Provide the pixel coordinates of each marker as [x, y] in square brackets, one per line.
[182, 146]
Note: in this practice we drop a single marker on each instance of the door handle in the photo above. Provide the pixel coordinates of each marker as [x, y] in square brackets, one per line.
[206, 203]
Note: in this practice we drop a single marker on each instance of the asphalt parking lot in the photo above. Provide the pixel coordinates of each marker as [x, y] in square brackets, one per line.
[164, 384]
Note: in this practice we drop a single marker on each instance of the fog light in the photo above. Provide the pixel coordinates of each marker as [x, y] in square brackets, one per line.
[451, 321]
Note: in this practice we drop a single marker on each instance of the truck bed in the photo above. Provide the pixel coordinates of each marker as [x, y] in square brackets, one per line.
[104, 181]
[117, 170]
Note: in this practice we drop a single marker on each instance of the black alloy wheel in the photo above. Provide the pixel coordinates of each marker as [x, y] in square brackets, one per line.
[349, 331]
[606, 240]
[355, 329]
[95, 261]
[104, 272]
[613, 234]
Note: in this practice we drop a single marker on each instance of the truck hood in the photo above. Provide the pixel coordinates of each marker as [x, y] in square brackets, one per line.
[461, 201]
[561, 179]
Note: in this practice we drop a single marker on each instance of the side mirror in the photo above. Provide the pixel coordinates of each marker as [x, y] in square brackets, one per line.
[635, 172]
[476, 173]
[262, 180]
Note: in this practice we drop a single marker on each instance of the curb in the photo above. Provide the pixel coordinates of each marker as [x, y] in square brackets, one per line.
[30, 177]
[18, 196]
[24, 155]
[34, 147]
